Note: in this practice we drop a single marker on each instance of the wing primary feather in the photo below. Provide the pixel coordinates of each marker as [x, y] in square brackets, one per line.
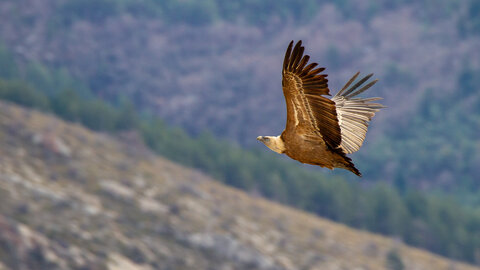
[302, 63]
[348, 84]
[307, 69]
[295, 54]
[355, 86]
[369, 99]
[316, 71]
[298, 57]
[287, 56]
[363, 89]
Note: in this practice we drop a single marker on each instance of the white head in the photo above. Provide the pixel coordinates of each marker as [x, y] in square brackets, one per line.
[275, 143]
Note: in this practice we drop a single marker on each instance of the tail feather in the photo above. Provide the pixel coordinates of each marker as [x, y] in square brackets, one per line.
[347, 164]
[354, 170]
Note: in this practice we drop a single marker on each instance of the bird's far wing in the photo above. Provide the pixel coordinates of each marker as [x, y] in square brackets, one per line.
[355, 113]
[307, 108]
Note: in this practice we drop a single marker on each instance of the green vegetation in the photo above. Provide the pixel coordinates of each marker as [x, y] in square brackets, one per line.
[437, 223]
[93, 113]
[23, 94]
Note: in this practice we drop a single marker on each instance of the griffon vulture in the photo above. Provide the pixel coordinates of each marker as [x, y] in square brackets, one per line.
[321, 131]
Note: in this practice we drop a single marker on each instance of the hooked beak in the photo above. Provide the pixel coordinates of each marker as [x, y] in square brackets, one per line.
[260, 138]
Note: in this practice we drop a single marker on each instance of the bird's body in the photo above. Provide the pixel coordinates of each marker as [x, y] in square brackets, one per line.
[320, 131]
[314, 152]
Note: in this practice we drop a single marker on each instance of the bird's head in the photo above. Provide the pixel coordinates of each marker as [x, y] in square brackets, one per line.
[275, 143]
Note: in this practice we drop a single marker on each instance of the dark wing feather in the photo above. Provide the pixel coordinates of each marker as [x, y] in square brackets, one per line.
[304, 87]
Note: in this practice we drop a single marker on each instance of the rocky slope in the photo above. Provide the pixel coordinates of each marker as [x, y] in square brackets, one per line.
[74, 199]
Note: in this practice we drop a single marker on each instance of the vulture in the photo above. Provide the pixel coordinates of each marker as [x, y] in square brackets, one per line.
[319, 130]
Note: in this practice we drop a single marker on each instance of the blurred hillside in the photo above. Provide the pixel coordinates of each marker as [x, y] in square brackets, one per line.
[74, 199]
[215, 65]
[438, 223]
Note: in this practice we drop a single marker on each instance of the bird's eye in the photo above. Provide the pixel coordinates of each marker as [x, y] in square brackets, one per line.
[267, 139]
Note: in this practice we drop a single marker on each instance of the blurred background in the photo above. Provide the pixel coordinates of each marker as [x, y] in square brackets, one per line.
[124, 125]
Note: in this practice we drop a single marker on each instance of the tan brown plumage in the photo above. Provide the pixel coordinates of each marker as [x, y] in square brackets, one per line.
[321, 131]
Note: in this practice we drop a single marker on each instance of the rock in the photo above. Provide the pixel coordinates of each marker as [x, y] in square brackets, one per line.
[52, 143]
[230, 248]
[117, 190]
[119, 262]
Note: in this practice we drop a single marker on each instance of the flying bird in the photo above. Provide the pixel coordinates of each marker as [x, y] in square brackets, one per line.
[321, 131]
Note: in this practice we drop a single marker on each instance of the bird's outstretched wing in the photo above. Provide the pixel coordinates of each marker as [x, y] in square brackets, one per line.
[307, 109]
[354, 113]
